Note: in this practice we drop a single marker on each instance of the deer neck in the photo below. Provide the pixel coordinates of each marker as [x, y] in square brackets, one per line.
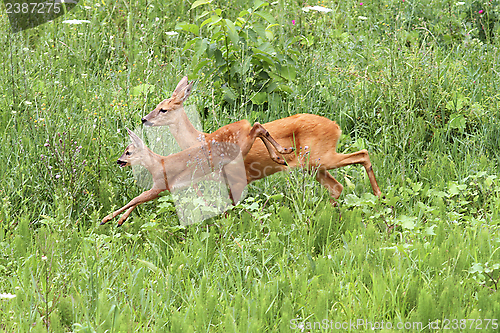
[155, 164]
[152, 162]
[184, 132]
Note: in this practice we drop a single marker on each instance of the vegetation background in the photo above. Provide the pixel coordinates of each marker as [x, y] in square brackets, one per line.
[416, 82]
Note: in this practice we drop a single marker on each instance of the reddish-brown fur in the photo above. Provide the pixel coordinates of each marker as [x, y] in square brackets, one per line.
[314, 138]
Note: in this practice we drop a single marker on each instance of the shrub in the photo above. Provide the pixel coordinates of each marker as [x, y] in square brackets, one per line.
[242, 56]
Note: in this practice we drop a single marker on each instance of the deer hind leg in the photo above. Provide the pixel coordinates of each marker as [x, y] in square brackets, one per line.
[360, 157]
[328, 181]
[258, 131]
[143, 197]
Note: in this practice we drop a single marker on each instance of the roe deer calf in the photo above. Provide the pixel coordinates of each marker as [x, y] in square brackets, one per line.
[178, 170]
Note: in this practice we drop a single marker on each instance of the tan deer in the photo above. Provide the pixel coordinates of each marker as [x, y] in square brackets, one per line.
[178, 170]
[314, 138]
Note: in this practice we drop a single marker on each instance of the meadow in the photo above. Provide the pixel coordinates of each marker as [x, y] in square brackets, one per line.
[415, 82]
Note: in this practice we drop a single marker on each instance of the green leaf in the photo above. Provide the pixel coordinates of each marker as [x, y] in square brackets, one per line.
[352, 200]
[198, 3]
[406, 222]
[391, 200]
[457, 121]
[267, 48]
[204, 235]
[288, 72]
[272, 26]
[423, 207]
[233, 34]
[348, 183]
[207, 21]
[453, 189]
[212, 47]
[272, 87]
[200, 46]
[215, 20]
[284, 88]
[142, 89]
[269, 35]
[219, 59]
[189, 43]
[259, 55]
[259, 30]
[476, 268]
[229, 95]
[148, 265]
[430, 230]
[278, 196]
[266, 16]
[188, 27]
[274, 76]
[417, 187]
[259, 4]
[244, 13]
[259, 98]
[199, 66]
[205, 13]
[246, 64]
[489, 180]
[457, 102]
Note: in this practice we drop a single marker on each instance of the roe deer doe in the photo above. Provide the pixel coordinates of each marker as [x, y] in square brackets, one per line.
[313, 137]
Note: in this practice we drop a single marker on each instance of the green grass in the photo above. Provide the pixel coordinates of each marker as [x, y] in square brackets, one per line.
[414, 82]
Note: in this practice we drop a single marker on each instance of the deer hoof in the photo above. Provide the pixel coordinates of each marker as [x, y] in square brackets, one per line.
[106, 219]
[287, 150]
[279, 160]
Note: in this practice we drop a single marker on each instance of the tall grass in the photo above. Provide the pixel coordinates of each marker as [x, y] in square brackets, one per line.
[414, 82]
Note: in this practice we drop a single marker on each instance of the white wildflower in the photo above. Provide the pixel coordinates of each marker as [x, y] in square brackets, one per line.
[317, 8]
[7, 296]
[76, 21]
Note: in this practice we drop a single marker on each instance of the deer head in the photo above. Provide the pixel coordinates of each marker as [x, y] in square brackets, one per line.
[165, 112]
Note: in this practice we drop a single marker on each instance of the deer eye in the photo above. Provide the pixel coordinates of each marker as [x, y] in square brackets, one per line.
[163, 110]
[127, 153]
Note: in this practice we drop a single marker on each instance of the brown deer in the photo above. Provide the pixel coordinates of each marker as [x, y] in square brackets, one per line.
[178, 170]
[313, 137]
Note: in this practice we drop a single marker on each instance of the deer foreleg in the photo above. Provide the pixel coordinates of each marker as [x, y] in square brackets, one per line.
[143, 197]
[125, 215]
[259, 131]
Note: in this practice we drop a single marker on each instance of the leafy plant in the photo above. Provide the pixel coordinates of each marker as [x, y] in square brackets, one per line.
[242, 56]
[486, 273]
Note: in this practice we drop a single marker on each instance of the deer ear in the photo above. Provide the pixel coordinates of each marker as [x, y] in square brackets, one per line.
[181, 85]
[184, 94]
[135, 139]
